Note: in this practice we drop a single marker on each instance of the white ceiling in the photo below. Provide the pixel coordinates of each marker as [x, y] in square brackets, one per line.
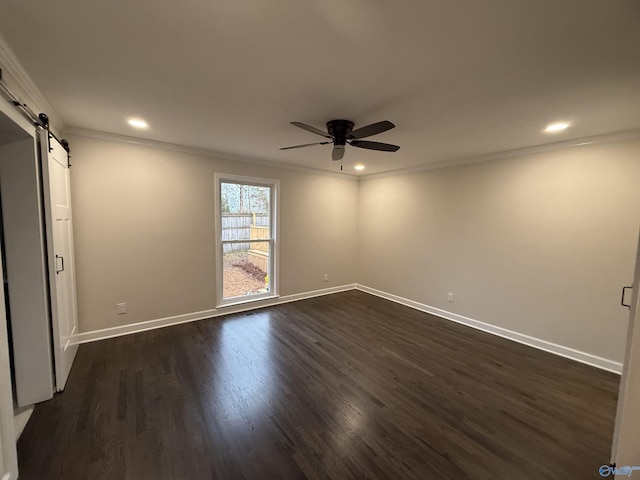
[459, 78]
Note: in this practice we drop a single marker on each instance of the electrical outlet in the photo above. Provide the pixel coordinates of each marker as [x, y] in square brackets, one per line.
[450, 297]
[122, 308]
[325, 278]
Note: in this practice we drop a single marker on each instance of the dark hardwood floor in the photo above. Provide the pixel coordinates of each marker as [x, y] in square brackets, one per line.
[345, 386]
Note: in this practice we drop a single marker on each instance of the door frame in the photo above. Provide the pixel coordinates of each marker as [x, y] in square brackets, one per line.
[8, 449]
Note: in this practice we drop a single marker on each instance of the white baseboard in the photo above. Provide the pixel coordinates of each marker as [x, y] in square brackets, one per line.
[20, 417]
[95, 335]
[570, 353]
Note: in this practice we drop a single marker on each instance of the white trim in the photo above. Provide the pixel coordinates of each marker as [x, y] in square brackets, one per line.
[14, 68]
[8, 450]
[274, 222]
[620, 136]
[566, 352]
[16, 117]
[203, 152]
[232, 302]
[443, 163]
[21, 417]
[118, 331]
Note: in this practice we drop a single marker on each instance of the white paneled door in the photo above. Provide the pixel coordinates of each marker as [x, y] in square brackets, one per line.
[59, 223]
[626, 438]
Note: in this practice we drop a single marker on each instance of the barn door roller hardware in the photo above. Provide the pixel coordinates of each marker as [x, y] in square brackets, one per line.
[41, 120]
[44, 123]
[24, 109]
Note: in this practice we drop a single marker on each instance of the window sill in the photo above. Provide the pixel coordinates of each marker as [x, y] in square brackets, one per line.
[232, 302]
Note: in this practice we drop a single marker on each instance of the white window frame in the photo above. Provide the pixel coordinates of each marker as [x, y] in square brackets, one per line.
[274, 221]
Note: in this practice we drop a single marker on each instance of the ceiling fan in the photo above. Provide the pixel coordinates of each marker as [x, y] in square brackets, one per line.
[341, 133]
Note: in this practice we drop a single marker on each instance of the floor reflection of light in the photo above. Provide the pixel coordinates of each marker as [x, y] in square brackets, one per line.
[351, 418]
[243, 370]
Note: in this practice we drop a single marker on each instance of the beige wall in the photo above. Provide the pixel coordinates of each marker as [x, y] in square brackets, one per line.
[539, 244]
[144, 230]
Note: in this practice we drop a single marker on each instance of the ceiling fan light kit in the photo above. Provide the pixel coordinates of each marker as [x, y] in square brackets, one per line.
[341, 134]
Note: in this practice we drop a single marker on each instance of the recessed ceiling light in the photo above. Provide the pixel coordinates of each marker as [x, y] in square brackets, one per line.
[556, 127]
[359, 167]
[138, 123]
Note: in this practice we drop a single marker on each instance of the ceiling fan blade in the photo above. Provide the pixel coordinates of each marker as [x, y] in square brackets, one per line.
[338, 152]
[305, 145]
[311, 129]
[383, 147]
[372, 129]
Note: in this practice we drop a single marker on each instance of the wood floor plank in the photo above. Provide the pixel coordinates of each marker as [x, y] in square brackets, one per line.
[346, 386]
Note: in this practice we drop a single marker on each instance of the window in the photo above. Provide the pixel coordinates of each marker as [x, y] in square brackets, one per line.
[246, 238]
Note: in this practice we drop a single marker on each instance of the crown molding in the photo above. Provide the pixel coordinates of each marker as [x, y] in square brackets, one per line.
[620, 136]
[114, 137]
[612, 137]
[28, 92]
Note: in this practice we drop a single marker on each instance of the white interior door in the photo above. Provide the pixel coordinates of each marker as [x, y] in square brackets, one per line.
[626, 440]
[59, 220]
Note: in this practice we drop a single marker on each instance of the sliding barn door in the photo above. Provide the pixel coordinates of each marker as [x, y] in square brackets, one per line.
[626, 438]
[59, 225]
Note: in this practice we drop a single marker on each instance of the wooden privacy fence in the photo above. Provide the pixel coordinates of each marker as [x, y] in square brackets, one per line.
[258, 253]
[237, 226]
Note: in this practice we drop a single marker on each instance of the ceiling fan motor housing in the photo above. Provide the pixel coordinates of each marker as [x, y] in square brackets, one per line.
[341, 133]
[340, 130]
